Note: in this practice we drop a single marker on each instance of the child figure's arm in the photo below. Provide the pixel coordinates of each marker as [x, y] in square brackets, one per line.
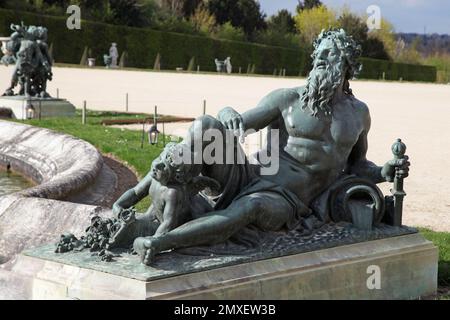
[134, 195]
[172, 211]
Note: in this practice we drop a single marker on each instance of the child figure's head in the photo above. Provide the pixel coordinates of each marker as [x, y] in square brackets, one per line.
[165, 169]
[160, 170]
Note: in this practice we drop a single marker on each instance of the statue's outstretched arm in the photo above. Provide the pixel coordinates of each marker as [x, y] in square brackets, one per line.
[358, 163]
[269, 109]
[266, 112]
[134, 195]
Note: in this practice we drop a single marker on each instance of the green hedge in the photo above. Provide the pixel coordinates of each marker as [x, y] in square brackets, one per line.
[176, 49]
[373, 69]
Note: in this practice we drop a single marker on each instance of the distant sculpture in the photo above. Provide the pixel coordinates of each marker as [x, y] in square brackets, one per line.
[228, 66]
[107, 60]
[33, 64]
[223, 66]
[111, 59]
[8, 56]
[220, 65]
[317, 140]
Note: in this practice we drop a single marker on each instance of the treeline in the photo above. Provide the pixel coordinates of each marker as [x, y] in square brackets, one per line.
[427, 44]
[238, 20]
[171, 50]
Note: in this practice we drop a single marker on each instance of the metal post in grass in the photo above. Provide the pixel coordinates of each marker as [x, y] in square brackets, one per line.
[40, 108]
[204, 107]
[57, 93]
[143, 133]
[164, 134]
[83, 113]
[126, 102]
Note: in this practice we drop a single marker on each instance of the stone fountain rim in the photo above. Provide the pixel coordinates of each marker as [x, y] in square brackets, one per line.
[61, 178]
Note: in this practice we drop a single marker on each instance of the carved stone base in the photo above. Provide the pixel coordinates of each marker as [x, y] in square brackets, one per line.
[406, 267]
[43, 107]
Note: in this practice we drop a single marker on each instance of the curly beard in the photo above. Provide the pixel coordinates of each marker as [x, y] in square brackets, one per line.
[320, 88]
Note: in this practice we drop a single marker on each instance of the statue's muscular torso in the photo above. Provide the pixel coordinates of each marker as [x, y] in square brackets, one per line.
[320, 145]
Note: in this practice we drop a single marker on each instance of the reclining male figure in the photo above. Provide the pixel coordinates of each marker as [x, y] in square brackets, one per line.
[323, 133]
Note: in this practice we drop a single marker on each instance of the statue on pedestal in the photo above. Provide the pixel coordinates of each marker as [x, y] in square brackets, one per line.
[224, 66]
[111, 59]
[33, 64]
[312, 173]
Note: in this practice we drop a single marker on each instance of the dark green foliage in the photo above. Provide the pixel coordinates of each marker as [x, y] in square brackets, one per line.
[189, 7]
[280, 31]
[307, 4]
[442, 240]
[142, 46]
[129, 13]
[282, 22]
[245, 14]
[357, 28]
[354, 26]
[374, 68]
[276, 38]
[374, 48]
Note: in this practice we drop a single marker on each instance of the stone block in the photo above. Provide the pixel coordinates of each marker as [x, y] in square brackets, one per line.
[43, 107]
[407, 268]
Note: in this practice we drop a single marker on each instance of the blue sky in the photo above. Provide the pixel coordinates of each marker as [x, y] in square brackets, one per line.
[406, 15]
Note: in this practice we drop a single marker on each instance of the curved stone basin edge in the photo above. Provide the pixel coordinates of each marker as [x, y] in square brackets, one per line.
[60, 164]
[63, 166]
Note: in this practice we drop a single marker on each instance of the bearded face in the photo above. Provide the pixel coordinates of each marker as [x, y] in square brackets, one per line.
[324, 79]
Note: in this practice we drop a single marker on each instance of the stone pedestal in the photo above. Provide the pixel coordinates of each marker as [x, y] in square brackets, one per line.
[43, 107]
[403, 267]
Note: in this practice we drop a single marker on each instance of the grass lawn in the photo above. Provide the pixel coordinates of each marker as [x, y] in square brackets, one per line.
[126, 145]
[441, 240]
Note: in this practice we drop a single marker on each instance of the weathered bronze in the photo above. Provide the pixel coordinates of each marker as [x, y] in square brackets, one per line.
[33, 65]
[323, 175]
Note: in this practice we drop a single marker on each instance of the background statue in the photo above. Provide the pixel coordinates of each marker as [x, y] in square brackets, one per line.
[8, 56]
[33, 68]
[223, 66]
[220, 65]
[111, 59]
[228, 66]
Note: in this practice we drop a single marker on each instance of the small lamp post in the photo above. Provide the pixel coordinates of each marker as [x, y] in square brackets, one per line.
[153, 134]
[30, 111]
